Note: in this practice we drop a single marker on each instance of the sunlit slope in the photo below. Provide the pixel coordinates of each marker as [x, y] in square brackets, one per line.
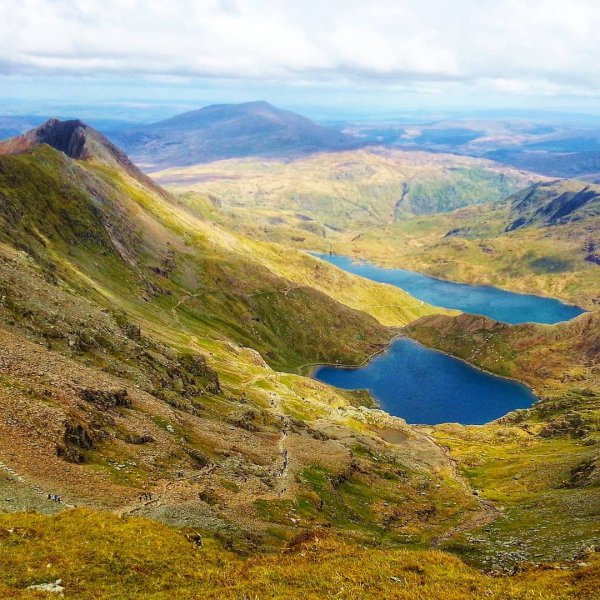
[351, 190]
[542, 464]
[369, 204]
[162, 563]
[151, 248]
[139, 348]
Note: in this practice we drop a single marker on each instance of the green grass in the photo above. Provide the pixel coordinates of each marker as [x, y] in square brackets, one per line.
[96, 555]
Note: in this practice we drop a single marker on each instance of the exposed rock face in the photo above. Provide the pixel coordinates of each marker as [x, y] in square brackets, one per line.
[106, 399]
[78, 437]
[76, 139]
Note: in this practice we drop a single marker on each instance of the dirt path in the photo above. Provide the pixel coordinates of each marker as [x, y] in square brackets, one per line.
[361, 364]
[282, 473]
[33, 487]
[485, 514]
[21, 479]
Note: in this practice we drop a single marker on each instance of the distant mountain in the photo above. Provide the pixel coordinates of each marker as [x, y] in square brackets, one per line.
[229, 131]
[553, 203]
[584, 164]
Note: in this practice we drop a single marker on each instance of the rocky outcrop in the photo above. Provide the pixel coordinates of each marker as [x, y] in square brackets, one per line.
[106, 399]
[78, 438]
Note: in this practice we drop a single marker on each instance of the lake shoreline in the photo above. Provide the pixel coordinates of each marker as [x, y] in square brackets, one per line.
[521, 390]
[317, 366]
[423, 287]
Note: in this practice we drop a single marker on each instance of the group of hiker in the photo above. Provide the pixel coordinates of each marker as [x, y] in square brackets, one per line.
[145, 496]
[54, 498]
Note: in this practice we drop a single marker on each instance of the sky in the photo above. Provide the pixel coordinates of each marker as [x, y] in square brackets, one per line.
[331, 59]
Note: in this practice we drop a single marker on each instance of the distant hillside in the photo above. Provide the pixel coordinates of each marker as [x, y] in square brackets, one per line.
[541, 240]
[553, 145]
[554, 203]
[354, 189]
[229, 131]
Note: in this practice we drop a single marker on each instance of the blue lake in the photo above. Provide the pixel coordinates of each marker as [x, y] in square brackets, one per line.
[425, 386]
[492, 302]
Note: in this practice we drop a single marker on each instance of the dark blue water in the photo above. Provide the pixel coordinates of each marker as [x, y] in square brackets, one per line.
[492, 302]
[425, 386]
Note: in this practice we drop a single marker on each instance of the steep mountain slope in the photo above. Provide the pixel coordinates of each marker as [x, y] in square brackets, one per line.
[554, 203]
[78, 141]
[229, 130]
[138, 347]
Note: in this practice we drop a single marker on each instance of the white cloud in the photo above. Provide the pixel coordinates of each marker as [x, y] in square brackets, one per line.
[513, 46]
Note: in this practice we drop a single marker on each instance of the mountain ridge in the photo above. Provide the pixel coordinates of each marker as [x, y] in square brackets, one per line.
[553, 203]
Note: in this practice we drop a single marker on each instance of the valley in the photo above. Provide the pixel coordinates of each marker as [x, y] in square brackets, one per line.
[156, 352]
[483, 243]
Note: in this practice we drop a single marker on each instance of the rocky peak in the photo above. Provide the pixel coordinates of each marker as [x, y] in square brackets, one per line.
[78, 141]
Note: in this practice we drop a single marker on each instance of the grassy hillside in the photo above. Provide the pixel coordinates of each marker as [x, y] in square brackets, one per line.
[139, 344]
[541, 464]
[349, 190]
[542, 240]
[369, 204]
[162, 563]
[98, 225]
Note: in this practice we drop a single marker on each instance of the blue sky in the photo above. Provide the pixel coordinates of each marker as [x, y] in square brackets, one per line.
[334, 59]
